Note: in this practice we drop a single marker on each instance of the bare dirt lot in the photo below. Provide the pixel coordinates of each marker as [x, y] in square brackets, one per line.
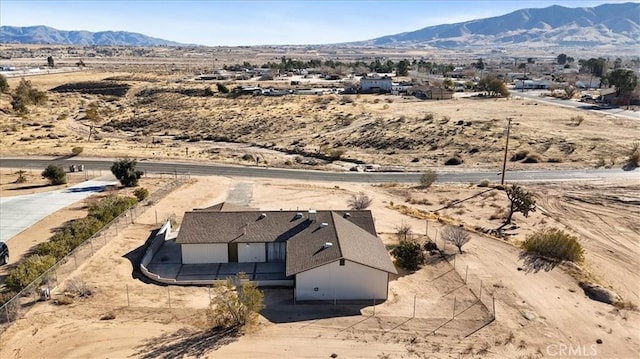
[164, 115]
[537, 312]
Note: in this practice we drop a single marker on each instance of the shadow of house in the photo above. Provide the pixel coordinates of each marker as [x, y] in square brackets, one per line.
[135, 256]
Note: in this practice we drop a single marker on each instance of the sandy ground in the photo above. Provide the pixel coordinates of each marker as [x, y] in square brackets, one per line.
[537, 311]
[155, 120]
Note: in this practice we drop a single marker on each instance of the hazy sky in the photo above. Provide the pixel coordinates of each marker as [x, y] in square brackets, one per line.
[259, 22]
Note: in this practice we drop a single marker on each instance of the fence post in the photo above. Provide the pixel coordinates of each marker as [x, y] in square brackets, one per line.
[466, 272]
[454, 308]
[131, 214]
[156, 215]
[454, 262]
[169, 295]
[91, 243]
[493, 297]
[414, 306]
[75, 260]
[128, 302]
[6, 311]
[480, 296]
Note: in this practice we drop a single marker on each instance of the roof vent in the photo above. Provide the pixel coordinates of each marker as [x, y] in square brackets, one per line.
[323, 224]
[297, 216]
[262, 215]
[327, 245]
[312, 215]
[347, 215]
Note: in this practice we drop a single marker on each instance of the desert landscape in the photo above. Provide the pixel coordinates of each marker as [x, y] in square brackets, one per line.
[490, 299]
[150, 320]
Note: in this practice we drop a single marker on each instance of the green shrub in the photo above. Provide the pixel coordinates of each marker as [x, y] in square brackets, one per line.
[141, 194]
[28, 271]
[110, 207]
[408, 255]
[55, 175]
[555, 244]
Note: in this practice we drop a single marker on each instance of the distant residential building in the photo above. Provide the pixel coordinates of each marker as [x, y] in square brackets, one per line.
[376, 83]
[531, 84]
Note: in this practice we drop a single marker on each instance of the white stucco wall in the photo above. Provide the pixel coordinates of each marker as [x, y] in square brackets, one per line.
[351, 281]
[204, 253]
[251, 252]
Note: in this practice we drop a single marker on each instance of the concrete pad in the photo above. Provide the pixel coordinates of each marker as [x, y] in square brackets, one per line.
[205, 269]
[169, 271]
[250, 276]
[271, 276]
[235, 268]
[271, 267]
[169, 252]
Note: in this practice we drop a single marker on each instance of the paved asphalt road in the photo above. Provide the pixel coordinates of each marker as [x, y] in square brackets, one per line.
[19, 212]
[615, 111]
[93, 164]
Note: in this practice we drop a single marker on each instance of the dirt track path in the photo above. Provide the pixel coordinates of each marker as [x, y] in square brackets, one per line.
[607, 223]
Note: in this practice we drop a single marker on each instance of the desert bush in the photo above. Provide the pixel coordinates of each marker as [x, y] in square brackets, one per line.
[4, 85]
[532, 158]
[484, 183]
[79, 288]
[633, 159]
[430, 246]
[408, 255]
[576, 120]
[554, 243]
[456, 235]
[236, 303]
[21, 177]
[110, 207]
[222, 88]
[359, 201]
[28, 271]
[427, 178]
[12, 309]
[77, 150]
[453, 161]
[55, 175]
[519, 156]
[141, 194]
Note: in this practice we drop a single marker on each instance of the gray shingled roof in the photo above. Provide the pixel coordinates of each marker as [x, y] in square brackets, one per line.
[352, 235]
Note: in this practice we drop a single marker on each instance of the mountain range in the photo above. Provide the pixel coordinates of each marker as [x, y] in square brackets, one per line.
[48, 35]
[605, 25]
[608, 24]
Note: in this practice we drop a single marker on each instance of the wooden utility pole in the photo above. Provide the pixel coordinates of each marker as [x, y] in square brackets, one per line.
[506, 148]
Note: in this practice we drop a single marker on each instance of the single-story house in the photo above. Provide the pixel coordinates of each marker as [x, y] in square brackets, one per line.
[329, 255]
[430, 93]
[532, 84]
[375, 83]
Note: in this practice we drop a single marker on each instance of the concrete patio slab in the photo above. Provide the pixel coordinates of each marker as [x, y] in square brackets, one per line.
[168, 253]
[164, 270]
[235, 268]
[210, 269]
[271, 267]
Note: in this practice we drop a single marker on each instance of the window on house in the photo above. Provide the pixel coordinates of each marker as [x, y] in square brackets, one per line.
[342, 262]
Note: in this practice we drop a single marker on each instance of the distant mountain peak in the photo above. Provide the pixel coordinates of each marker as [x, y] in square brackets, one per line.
[41, 34]
[607, 24]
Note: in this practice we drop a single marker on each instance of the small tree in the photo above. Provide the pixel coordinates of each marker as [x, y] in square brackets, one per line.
[521, 201]
[403, 231]
[50, 62]
[125, 171]
[408, 255]
[236, 303]
[456, 235]
[359, 201]
[4, 85]
[55, 175]
[428, 178]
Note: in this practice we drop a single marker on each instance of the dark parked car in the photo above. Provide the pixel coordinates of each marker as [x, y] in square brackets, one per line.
[4, 253]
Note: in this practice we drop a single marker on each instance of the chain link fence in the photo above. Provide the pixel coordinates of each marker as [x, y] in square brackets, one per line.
[63, 269]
